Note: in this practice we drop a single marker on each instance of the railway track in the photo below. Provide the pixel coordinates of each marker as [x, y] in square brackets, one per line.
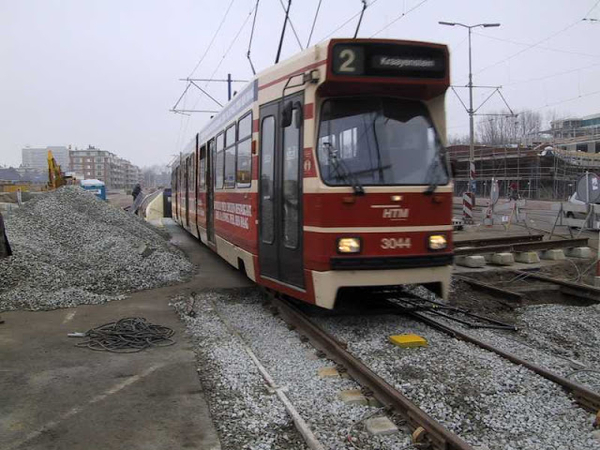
[501, 240]
[514, 244]
[587, 398]
[529, 282]
[423, 425]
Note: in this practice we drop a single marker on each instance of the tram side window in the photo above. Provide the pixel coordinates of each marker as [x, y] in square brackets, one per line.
[187, 176]
[230, 157]
[210, 169]
[202, 169]
[192, 179]
[267, 151]
[182, 180]
[220, 163]
[174, 185]
[244, 159]
[291, 152]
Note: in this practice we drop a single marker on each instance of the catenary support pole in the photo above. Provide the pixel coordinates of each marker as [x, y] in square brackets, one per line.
[228, 86]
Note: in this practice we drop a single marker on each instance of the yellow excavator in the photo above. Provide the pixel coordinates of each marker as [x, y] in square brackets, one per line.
[56, 178]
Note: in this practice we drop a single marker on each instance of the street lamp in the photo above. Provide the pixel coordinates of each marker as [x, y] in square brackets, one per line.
[471, 189]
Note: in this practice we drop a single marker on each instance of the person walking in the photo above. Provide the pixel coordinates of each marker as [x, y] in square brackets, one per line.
[514, 192]
[136, 191]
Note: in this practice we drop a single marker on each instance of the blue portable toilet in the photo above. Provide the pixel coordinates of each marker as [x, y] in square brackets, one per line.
[94, 186]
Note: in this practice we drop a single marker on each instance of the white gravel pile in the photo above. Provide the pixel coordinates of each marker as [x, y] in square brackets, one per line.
[71, 248]
[486, 400]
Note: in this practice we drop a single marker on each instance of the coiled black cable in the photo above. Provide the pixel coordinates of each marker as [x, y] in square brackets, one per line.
[129, 335]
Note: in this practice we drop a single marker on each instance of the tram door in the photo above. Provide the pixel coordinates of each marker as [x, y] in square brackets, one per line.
[175, 192]
[280, 194]
[210, 192]
[188, 167]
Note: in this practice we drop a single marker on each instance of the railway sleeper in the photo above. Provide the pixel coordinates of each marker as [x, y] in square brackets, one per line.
[434, 436]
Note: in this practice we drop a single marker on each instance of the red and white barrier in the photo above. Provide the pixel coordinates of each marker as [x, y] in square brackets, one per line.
[468, 201]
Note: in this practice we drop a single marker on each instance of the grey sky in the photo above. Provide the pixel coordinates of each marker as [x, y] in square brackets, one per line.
[105, 72]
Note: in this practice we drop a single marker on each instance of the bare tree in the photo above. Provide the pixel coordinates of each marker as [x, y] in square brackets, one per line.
[156, 175]
[507, 129]
[529, 125]
[458, 139]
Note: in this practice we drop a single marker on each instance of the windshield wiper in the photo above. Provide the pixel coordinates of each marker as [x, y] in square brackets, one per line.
[433, 184]
[342, 170]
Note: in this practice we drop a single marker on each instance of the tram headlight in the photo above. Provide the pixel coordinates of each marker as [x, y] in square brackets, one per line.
[437, 242]
[348, 245]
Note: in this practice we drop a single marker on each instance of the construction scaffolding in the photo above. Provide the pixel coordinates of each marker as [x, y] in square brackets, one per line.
[538, 172]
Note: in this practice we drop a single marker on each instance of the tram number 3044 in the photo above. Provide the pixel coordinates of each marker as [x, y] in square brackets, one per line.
[394, 243]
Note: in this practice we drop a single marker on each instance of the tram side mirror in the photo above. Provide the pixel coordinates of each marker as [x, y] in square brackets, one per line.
[286, 114]
[299, 117]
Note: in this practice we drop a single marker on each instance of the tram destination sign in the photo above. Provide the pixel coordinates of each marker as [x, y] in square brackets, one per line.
[388, 60]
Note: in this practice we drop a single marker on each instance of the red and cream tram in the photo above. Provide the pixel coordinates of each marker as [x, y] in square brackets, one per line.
[328, 172]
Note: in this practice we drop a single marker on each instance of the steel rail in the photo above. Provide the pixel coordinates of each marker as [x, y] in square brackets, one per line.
[498, 240]
[521, 247]
[504, 293]
[587, 398]
[439, 437]
[567, 287]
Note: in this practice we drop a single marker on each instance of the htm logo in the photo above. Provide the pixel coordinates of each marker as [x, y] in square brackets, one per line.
[395, 213]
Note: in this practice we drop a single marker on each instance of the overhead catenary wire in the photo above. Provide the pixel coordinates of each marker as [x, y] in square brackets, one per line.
[207, 94]
[313, 24]
[182, 128]
[401, 16]
[233, 41]
[557, 50]
[212, 39]
[546, 77]
[212, 76]
[589, 94]
[536, 44]
[292, 26]
[181, 97]
[346, 22]
[591, 9]
[251, 37]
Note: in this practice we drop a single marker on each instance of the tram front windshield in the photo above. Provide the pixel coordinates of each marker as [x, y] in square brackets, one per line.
[379, 141]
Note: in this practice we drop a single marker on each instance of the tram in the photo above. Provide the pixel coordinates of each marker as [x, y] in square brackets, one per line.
[328, 172]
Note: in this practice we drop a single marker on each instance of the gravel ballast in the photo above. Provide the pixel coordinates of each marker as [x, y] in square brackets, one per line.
[291, 362]
[71, 248]
[245, 414]
[561, 338]
[486, 400]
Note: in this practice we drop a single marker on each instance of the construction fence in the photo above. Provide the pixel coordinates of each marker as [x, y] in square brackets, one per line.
[537, 173]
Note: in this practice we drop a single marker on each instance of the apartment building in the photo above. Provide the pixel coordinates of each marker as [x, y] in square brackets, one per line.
[37, 158]
[116, 172]
[577, 133]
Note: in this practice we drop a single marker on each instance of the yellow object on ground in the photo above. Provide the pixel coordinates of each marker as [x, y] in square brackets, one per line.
[408, 340]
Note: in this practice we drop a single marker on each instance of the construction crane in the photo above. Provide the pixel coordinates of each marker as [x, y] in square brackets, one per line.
[56, 178]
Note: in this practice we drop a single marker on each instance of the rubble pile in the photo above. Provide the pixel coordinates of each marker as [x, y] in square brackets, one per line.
[71, 248]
